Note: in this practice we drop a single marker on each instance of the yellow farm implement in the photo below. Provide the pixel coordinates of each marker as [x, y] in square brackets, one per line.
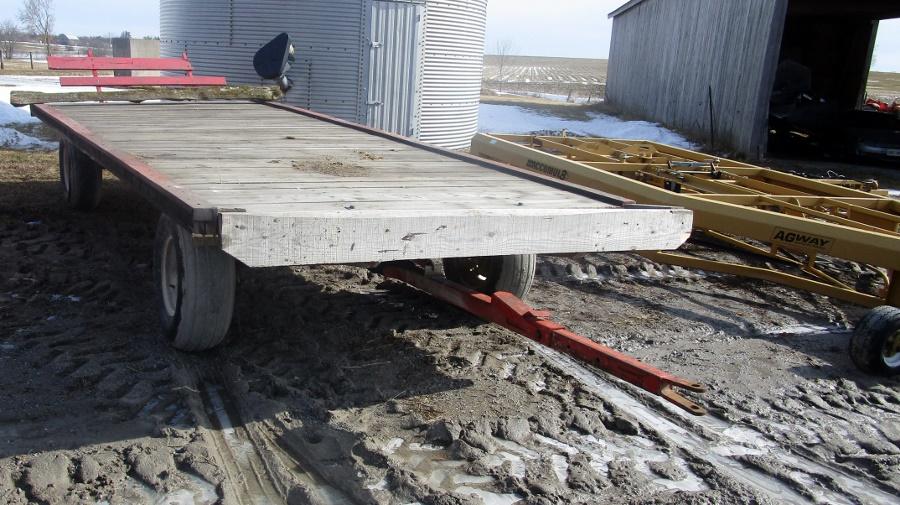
[780, 216]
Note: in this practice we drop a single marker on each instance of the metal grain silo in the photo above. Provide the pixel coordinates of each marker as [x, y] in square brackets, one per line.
[410, 67]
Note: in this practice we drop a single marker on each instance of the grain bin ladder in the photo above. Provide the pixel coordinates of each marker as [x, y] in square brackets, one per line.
[775, 215]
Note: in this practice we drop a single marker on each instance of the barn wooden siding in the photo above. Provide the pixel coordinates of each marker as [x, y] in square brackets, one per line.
[666, 54]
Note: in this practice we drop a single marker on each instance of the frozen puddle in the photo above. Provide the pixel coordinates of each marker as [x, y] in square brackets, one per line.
[436, 468]
[203, 494]
[732, 441]
[799, 329]
[441, 472]
[641, 452]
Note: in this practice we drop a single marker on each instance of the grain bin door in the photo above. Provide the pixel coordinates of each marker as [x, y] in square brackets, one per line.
[395, 66]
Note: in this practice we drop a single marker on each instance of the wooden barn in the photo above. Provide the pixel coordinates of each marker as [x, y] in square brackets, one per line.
[715, 68]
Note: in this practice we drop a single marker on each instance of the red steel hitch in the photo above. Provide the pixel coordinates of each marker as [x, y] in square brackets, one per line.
[512, 313]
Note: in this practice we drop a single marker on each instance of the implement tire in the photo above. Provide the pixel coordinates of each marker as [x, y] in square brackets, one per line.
[80, 177]
[195, 286]
[488, 274]
[875, 344]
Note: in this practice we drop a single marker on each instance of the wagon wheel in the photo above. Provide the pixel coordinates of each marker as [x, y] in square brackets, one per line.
[195, 286]
[875, 344]
[487, 274]
[80, 177]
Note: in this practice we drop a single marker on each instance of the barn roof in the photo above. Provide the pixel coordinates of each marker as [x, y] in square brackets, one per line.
[627, 6]
[873, 9]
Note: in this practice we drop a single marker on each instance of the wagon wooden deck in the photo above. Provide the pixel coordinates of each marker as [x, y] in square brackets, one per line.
[276, 185]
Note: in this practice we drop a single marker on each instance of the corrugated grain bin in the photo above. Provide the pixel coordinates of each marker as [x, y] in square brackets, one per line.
[410, 67]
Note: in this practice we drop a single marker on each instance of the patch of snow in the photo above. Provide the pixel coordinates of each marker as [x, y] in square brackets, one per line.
[381, 485]
[555, 98]
[13, 139]
[12, 118]
[21, 115]
[15, 115]
[519, 120]
[392, 445]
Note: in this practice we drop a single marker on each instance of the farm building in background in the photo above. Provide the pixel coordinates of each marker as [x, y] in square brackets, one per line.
[709, 67]
[411, 67]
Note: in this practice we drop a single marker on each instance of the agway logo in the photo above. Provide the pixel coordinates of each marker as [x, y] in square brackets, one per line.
[802, 240]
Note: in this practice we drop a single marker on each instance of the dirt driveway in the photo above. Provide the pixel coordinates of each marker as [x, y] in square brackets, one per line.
[337, 386]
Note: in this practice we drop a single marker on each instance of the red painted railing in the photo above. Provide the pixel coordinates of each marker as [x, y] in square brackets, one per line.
[95, 65]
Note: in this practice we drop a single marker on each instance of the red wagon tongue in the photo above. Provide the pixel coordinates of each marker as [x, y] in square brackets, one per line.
[512, 313]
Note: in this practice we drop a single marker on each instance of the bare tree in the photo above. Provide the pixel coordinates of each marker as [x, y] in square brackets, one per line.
[37, 16]
[9, 36]
[503, 49]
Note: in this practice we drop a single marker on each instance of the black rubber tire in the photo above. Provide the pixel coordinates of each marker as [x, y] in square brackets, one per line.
[513, 273]
[195, 288]
[869, 340]
[80, 177]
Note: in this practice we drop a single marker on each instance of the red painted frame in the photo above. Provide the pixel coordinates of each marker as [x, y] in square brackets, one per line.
[185, 207]
[105, 63]
[512, 313]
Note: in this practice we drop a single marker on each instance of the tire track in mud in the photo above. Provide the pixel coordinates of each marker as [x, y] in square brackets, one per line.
[259, 470]
[92, 411]
[246, 477]
[717, 442]
[353, 327]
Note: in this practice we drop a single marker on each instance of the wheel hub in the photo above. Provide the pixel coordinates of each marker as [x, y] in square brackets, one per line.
[890, 354]
[477, 273]
[169, 276]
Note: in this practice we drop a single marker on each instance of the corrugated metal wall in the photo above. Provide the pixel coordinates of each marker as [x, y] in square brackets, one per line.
[221, 37]
[337, 64]
[395, 66]
[666, 54]
[454, 63]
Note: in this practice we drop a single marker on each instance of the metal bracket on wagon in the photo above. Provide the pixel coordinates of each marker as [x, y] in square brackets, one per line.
[512, 313]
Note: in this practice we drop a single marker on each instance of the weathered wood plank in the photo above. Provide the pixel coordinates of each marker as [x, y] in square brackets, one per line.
[293, 189]
[397, 197]
[262, 240]
[21, 98]
[356, 183]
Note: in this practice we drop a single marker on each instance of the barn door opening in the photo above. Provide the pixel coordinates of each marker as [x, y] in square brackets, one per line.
[395, 66]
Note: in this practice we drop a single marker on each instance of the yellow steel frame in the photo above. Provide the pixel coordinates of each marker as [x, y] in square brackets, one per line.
[733, 202]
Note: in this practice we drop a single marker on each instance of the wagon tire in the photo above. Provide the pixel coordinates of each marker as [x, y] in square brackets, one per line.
[195, 287]
[875, 344]
[80, 178]
[488, 274]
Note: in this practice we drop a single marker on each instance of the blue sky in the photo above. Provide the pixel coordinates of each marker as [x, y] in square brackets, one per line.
[573, 28]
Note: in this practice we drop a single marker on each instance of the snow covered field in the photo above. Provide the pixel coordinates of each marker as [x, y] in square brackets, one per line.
[535, 69]
[520, 120]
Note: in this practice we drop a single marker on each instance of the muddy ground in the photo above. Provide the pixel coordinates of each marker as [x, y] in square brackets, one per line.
[337, 386]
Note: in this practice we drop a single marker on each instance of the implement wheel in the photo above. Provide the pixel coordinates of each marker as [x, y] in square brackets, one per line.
[875, 344]
[488, 274]
[80, 177]
[195, 286]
